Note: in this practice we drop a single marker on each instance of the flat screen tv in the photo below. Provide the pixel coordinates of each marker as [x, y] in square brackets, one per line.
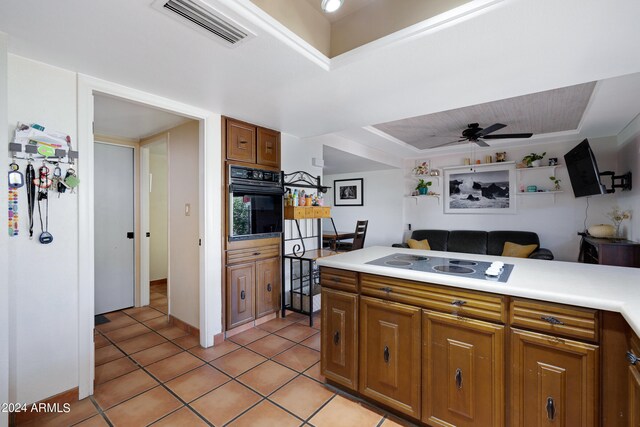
[583, 171]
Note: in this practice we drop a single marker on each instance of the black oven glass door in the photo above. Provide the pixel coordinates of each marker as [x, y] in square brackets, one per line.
[255, 212]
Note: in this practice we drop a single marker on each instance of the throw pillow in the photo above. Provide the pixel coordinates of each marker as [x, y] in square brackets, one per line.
[419, 244]
[518, 251]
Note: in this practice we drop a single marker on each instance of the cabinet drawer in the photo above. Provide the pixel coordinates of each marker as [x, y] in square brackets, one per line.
[339, 279]
[251, 254]
[449, 300]
[575, 322]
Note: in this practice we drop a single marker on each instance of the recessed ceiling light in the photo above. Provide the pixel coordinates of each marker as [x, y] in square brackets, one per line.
[331, 5]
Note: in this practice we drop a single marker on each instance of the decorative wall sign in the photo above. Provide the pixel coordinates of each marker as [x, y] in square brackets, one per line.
[480, 189]
[348, 192]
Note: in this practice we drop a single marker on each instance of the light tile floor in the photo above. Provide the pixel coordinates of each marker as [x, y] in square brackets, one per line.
[149, 374]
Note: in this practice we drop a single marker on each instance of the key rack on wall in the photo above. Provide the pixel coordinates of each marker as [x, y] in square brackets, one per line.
[35, 142]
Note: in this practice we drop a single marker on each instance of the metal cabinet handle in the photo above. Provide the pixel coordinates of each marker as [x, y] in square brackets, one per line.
[336, 279]
[552, 320]
[256, 253]
[386, 354]
[632, 358]
[458, 378]
[243, 142]
[336, 337]
[458, 302]
[242, 295]
[551, 408]
[268, 287]
[386, 289]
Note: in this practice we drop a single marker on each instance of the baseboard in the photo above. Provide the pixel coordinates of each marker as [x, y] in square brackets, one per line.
[69, 396]
[192, 330]
[158, 282]
[218, 338]
[239, 329]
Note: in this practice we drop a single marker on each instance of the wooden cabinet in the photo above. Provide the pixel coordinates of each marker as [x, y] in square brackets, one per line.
[267, 286]
[240, 291]
[390, 354]
[463, 371]
[339, 346]
[241, 141]
[634, 396]
[252, 283]
[268, 147]
[554, 381]
[251, 144]
[620, 252]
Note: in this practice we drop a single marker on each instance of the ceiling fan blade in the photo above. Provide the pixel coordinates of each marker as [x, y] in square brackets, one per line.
[486, 131]
[448, 143]
[481, 143]
[509, 136]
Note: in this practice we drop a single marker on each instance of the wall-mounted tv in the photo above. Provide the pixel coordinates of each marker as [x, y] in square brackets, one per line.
[583, 171]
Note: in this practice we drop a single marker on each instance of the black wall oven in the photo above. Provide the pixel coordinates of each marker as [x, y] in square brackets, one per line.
[255, 203]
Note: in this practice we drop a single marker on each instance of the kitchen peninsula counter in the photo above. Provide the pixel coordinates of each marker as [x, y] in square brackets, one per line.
[600, 287]
[449, 349]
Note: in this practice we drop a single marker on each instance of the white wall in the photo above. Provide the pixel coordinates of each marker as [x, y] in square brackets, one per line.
[4, 244]
[383, 200]
[44, 278]
[184, 275]
[158, 211]
[629, 160]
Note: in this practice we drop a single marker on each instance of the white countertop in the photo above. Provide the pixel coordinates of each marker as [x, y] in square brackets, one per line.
[585, 285]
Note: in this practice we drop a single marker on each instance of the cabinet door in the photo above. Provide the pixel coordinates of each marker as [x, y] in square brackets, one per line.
[241, 141]
[463, 371]
[267, 286]
[634, 396]
[339, 344]
[390, 354]
[240, 283]
[554, 381]
[268, 147]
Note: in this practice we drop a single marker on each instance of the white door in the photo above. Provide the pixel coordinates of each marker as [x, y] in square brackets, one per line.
[114, 226]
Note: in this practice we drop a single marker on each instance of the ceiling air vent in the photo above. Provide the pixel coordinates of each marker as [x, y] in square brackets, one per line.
[206, 20]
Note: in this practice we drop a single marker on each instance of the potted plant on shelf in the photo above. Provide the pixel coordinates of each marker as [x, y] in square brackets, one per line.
[533, 159]
[423, 186]
[556, 183]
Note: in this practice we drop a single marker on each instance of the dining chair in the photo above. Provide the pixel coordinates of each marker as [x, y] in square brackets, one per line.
[358, 240]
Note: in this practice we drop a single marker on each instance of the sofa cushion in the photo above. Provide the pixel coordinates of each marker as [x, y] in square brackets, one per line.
[518, 251]
[437, 238]
[419, 244]
[467, 241]
[497, 239]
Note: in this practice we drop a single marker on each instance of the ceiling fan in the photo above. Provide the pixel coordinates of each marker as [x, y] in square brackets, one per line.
[474, 133]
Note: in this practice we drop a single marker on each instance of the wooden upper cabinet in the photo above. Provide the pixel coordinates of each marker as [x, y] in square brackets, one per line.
[463, 371]
[390, 354]
[554, 381]
[268, 147]
[340, 337]
[267, 286]
[241, 141]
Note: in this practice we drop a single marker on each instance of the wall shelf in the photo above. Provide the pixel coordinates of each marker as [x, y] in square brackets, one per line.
[540, 193]
[424, 196]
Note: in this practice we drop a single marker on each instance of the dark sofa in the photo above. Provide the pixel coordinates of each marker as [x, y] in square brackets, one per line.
[478, 242]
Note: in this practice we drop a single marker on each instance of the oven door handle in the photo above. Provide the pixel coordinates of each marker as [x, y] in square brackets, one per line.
[248, 189]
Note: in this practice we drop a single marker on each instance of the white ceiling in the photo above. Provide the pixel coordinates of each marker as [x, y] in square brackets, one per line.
[511, 48]
[338, 161]
[119, 118]
[348, 7]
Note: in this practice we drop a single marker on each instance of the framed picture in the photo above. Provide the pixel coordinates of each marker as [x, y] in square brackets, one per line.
[480, 189]
[348, 192]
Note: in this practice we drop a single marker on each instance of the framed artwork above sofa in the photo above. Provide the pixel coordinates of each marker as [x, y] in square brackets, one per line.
[480, 189]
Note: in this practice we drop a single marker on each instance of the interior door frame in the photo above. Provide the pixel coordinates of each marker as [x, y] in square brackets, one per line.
[210, 215]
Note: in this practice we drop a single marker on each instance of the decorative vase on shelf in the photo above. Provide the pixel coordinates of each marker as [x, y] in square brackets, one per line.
[422, 190]
[536, 163]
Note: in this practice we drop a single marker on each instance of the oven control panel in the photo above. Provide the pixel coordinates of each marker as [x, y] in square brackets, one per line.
[239, 172]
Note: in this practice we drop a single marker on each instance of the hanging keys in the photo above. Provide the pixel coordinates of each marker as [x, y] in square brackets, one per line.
[15, 177]
[71, 179]
[43, 182]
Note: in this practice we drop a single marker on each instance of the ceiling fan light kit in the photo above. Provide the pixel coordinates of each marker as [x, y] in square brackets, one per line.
[331, 5]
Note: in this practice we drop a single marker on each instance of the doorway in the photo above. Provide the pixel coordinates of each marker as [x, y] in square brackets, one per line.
[114, 231]
[207, 165]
